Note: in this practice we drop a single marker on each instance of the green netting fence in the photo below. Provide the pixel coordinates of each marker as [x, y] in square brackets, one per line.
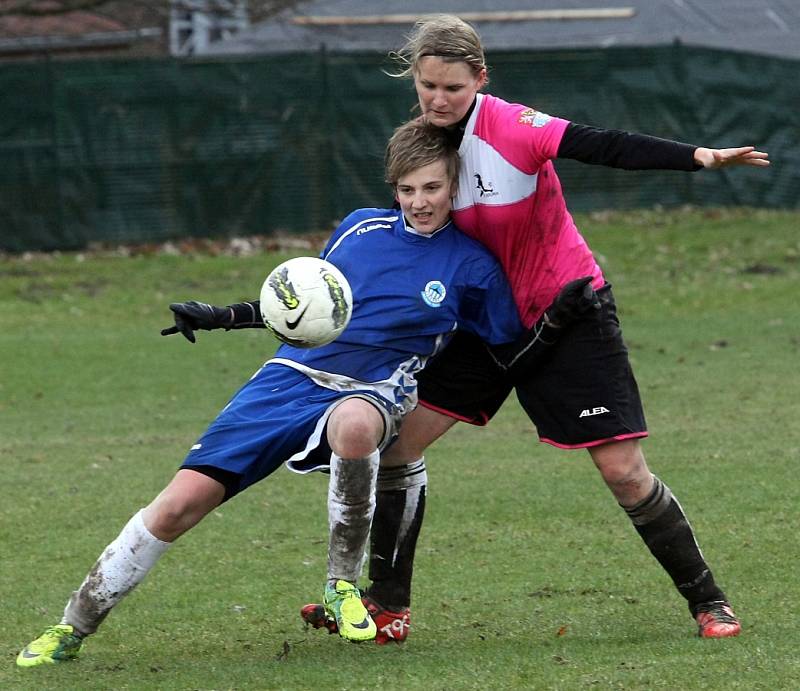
[146, 150]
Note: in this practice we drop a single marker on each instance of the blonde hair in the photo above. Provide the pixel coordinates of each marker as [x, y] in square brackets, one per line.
[416, 144]
[443, 36]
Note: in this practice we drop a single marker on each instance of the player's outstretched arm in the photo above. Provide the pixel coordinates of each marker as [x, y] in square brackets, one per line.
[738, 156]
[634, 151]
[192, 316]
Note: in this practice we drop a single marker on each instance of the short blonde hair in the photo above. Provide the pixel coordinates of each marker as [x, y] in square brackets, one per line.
[416, 144]
[443, 36]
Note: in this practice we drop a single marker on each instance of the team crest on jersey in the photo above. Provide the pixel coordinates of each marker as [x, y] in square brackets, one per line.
[434, 293]
[534, 118]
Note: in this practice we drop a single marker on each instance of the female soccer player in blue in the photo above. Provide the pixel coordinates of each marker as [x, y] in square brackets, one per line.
[334, 407]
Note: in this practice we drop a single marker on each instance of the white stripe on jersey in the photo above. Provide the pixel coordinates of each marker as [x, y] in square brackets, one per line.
[379, 223]
[399, 390]
[485, 177]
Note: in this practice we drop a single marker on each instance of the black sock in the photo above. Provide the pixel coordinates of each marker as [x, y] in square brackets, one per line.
[661, 523]
[399, 509]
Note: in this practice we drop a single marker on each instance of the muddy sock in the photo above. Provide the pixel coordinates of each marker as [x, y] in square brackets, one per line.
[351, 504]
[120, 568]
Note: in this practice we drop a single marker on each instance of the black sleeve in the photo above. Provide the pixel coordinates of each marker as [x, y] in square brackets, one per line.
[627, 150]
[247, 315]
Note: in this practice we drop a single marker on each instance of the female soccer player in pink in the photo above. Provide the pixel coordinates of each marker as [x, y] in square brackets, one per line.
[584, 396]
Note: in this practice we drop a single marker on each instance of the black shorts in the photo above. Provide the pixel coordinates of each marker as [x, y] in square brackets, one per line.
[581, 393]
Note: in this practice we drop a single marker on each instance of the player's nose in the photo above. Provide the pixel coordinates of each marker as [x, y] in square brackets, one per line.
[439, 98]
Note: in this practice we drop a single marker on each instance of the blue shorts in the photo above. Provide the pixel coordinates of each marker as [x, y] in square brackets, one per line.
[277, 417]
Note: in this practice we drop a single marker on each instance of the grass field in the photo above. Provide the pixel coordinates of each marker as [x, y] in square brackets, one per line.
[528, 575]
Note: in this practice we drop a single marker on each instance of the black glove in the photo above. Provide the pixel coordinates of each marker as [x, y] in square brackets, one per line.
[191, 316]
[575, 299]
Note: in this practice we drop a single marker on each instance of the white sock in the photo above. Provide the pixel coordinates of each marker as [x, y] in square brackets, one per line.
[120, 568]
[351, 506]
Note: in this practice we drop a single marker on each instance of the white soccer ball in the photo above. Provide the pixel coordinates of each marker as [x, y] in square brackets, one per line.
[306, 302]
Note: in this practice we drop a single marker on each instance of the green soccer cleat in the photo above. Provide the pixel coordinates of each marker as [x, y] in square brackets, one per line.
[342, 601]
[57, 644]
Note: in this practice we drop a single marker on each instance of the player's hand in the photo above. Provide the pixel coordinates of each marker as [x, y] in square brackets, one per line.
[191, 316]
[575, 299]
[527, 352]
[722, 158]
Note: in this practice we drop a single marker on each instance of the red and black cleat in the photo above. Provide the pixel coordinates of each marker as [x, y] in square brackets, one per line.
[716, 620]
[392, 626]
[315, 615]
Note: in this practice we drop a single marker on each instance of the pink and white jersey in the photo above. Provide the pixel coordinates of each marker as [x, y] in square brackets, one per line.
[509, 199]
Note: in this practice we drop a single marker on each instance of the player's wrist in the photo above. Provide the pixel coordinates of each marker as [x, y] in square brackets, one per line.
[243, 315]
[703, 157]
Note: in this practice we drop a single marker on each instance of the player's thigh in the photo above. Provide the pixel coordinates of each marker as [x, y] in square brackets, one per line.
[420, 428]
[464, 381]
[584, 394]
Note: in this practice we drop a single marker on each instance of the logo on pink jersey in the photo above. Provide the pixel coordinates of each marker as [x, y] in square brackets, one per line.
[534, 118]
[486, 188]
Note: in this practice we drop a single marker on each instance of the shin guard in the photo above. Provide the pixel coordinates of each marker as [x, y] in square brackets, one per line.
[398, 519]
[661, 523]
[120, 568]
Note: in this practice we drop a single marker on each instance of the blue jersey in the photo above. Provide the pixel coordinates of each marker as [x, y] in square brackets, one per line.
[410, 293]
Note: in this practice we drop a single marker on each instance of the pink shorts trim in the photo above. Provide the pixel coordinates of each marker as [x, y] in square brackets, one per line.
[599, 442]
[479, 421]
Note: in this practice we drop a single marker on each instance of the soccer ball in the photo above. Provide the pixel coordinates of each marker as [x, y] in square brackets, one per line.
[306, 302]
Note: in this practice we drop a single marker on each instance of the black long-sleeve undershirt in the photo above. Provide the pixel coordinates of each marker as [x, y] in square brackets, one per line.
[626, 150]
